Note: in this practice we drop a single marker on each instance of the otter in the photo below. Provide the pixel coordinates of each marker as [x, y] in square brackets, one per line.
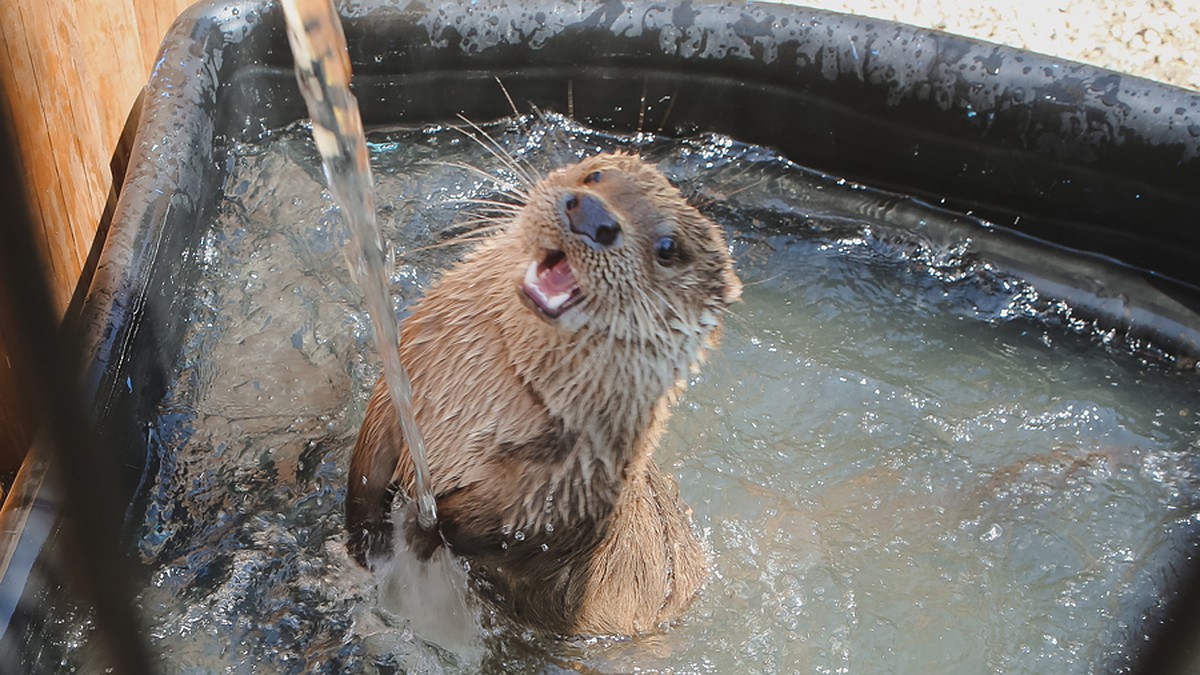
[543, 367]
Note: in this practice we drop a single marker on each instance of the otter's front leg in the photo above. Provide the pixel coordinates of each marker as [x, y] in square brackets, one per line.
[467, 524]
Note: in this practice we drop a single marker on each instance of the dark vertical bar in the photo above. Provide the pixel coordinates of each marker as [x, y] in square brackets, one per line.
[52, 354]
[1174, 644]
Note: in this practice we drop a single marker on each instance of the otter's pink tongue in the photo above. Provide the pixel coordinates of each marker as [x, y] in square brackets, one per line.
[551, 284]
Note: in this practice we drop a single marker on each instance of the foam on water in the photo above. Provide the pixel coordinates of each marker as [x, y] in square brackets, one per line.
[901, 459]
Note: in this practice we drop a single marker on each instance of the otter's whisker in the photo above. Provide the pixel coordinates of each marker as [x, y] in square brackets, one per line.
[506, 187]
[714, 198]
[475, 234]
[496, 222]
[487, 217]
[603, 356]
[516, 113]
[760, 282]
[525, 172]
[476, 226]
[760, 183]
[455, 241]
[481, 217]
[642, 106]
[598, 358]
[649, 316]
[568, 363]
[741, 320]
[520, 119]
[670, 106]
[564, 153]
[492, 204]
[661, 323]
[522, 174]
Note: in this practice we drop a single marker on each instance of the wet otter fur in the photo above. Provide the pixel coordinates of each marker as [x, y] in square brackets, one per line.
[543, 366]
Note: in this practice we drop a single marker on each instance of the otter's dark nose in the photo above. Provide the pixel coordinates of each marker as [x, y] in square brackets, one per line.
[587, 216]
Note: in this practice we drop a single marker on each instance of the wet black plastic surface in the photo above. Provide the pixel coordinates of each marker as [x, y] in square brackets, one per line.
[1085, 157]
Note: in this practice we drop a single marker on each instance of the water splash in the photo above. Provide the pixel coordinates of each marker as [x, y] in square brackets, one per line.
[323, 71]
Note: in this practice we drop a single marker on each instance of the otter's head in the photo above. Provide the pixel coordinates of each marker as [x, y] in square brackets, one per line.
[614, 248]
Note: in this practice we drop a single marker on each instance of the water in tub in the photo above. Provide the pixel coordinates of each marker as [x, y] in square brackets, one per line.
[901, 458]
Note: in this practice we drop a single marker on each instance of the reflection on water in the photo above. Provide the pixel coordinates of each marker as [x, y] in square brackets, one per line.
[900, 459]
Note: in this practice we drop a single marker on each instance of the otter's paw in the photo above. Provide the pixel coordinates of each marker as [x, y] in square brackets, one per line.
[420, 541]
[371, 540]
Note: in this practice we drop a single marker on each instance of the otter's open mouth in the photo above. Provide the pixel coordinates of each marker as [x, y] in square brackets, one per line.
[551, 285]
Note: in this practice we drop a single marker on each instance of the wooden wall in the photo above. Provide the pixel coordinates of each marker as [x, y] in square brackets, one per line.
[70, 71]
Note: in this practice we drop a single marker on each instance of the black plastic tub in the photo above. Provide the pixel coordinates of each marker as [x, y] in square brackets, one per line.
[1093, 161]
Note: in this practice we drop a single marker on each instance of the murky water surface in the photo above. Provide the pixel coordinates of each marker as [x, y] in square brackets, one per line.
[901, 460]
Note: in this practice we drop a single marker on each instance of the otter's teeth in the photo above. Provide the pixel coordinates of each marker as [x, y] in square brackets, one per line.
[549, 301]
[551, 286]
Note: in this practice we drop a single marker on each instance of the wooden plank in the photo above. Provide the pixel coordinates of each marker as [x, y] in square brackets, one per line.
[75, 132]
[154, 19]
[109, 36]
[59, 136]
[20, 78]
[19, 74]
[70, 71]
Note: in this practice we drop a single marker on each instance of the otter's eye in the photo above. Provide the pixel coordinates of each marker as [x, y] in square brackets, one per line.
[593, 177]
[666, 251]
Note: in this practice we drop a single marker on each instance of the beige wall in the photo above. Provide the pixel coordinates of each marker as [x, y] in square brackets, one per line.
[70, 71]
